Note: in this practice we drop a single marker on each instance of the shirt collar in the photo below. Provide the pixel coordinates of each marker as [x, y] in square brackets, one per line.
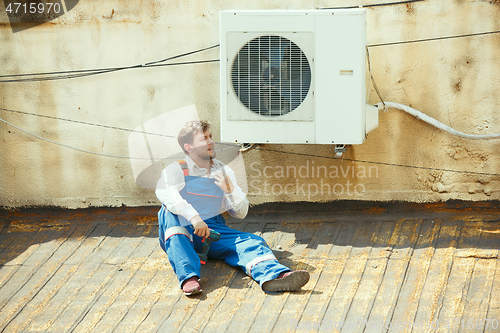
[195, 170]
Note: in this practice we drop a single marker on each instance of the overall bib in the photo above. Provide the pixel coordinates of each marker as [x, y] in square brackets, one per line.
[239, 249]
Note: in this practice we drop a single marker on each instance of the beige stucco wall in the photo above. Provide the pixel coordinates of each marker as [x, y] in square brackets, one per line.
[455, 80]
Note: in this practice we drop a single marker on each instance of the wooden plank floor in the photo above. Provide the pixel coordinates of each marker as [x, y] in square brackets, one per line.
[374, 268]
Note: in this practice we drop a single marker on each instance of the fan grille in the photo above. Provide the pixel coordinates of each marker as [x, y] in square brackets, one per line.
[271, 75]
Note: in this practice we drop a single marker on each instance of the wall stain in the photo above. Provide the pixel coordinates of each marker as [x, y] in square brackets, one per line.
[493, 2]
[410, 9]
[151, 92]
[110, 16]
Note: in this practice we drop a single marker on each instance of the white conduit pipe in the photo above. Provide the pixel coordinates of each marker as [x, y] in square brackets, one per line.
[434, 122]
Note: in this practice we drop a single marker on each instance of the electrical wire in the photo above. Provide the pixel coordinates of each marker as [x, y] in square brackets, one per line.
[87, 123]
[432, 121]
[75, 148]
[106, 126]
[435, 38]
[87, 72]
[117, 68]
[83, 150]
[96, 153]
[422, 116]
[372, 79]
[375, 5]
[231, 146]
[72, 76]
[60, 75]
[381, 163]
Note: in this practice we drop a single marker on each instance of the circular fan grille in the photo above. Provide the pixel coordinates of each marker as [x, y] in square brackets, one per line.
[271, 75]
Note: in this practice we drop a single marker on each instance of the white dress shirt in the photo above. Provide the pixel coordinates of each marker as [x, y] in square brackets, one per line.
[172, 182]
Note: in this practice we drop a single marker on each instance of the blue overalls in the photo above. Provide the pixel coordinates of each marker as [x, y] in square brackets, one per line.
[239, 249]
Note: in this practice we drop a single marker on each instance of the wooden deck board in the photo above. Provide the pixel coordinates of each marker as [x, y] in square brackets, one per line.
[335, 291]
[210, 313]
[242, 317]
[83, 284]
[235, 295]
[409, 296]
[349, 283]
[110, 306]
[399, 251]
[480, 286]
[307, 238]
[493, 314]
[321, 277]
[46, 279]
[437, 275]
[266, 316]
[33, 273]
[16, 255]
[369, 273]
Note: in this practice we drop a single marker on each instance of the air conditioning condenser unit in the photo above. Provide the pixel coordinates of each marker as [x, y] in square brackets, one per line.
[295, 76]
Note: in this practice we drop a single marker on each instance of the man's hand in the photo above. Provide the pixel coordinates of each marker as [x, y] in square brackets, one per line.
[200, 227]
[224, 182]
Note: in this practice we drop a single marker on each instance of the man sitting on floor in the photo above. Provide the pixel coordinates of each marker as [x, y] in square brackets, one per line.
[194, 192]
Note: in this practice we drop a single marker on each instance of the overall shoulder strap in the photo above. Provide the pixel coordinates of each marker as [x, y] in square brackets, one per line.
[184, 167]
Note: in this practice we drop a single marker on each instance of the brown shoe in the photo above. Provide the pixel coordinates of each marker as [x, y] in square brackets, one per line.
[289, 281]
[191, 286]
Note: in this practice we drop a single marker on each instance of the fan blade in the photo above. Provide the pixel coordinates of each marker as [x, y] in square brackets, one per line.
[272, 103]
[271, 75]
[246, 88]
[295, 91]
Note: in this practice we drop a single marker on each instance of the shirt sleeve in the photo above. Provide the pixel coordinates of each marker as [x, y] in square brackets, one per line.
[167, 191]
[236, 202]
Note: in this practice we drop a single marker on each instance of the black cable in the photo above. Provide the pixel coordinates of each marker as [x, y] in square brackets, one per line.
[86, 123]
[117, 68]
[183, 55]
[104, 126]
[375, 5]
[88, 72]
[372, 79]
[258, 148]
[62, 77]
[434, 39]
[382, 163]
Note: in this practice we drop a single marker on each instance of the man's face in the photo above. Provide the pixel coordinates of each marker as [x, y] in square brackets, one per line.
[203, 146]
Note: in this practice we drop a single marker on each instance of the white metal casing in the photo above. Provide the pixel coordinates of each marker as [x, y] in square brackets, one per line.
[334, 42]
